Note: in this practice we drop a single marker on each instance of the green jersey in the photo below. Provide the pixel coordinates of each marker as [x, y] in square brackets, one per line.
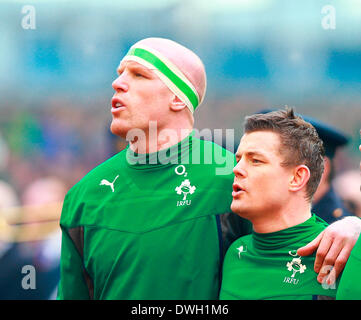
[350, 283]
[266, 265]
[148, 226]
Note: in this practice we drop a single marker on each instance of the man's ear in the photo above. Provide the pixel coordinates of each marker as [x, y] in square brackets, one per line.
[176, 104]
[300, 177]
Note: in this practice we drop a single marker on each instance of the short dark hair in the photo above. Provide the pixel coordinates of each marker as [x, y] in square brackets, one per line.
[300, 143]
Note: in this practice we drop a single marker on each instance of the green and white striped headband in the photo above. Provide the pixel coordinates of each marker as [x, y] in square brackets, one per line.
[167, 71]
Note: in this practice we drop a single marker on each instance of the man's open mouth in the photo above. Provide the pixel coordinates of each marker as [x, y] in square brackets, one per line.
[117, 103]
[237, 190]
[237, 187]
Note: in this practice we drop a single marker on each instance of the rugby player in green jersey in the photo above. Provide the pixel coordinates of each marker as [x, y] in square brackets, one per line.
[279, 166]
[146, 223]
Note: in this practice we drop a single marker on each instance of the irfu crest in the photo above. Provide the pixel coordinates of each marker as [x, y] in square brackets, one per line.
[185, 188]
[295, 265]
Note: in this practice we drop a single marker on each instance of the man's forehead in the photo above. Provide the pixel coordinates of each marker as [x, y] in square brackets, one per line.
[259, 142]
[132, 64]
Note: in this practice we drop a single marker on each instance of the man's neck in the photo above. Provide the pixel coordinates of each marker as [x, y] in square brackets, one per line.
[157, 141]
[282, 219]
[322, 189]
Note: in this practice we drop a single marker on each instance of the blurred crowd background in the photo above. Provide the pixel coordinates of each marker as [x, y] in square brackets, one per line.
[55, 92]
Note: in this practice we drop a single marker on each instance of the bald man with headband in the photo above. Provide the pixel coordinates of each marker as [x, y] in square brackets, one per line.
[145, 224]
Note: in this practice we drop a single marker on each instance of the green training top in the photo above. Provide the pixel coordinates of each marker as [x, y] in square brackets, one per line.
[147, 226]
[266, 265]
[350, 283]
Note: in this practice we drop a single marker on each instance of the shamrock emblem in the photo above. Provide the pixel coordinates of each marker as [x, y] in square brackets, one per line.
[185, 188]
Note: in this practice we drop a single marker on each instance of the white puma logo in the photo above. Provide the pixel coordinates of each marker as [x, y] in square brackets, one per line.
[105, 182]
